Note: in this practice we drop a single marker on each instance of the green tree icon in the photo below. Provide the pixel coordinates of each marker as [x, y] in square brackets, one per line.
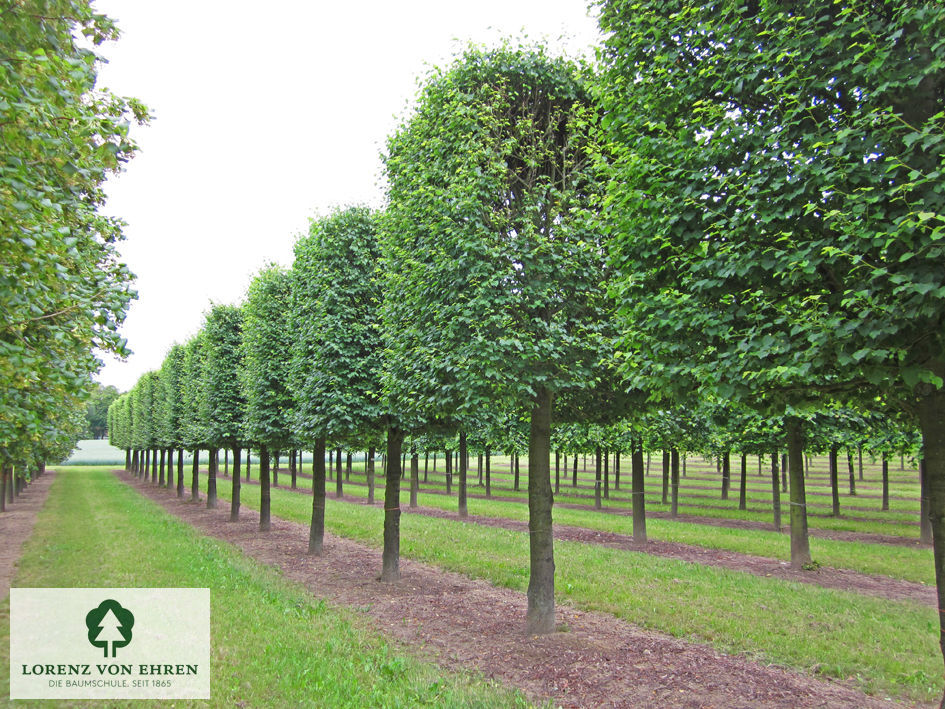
[109, 623]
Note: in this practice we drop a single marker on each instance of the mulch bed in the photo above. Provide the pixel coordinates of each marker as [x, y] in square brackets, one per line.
[16, 526]
[468, 624]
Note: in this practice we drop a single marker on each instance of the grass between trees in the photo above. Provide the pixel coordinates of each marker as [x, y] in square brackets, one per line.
[885, 647]
[273, 644]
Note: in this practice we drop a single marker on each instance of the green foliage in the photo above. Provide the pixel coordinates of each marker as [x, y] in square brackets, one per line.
[63, 290]
[777, 204]
[336, 297]
[172, 370]
[193, 428]
[96, 410]
[494, 271]
[264, 351]
[222, 403]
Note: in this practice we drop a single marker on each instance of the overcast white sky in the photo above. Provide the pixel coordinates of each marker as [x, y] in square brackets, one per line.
[266, 114]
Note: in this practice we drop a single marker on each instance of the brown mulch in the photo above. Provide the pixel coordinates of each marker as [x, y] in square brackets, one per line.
[467, 624]
[16, 526]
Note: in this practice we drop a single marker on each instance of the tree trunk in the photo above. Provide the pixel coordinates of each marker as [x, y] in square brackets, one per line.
[574, 473]
[597, 504]
[293, 469]
[5, 472]
[674, 473]
[665, 498]
[932, 424]
[775, 489]
[617, 470]
[369, 463]
[391, 556]
[637, 477]
[885, 506]
[606, 474]
[743, 484]
[488, 473]
[348, 466]
[414, 477]
[180, 472]
[859, 453]
[800, 544]
[925, 522]
[426, 466]
[540, 617]
[448, 462]
[274, 470]
[264, 492]
[195, 477]
[316, 530]
[726, 473]
[235, 490]
[516, 471]
[463, 469]
[127, 459]
[161, 467]
[479, 467]
[212, 466]
[784, 472]
[852, 471]
[339, 484]
[557, 472]
[834, 463]
[249, 463]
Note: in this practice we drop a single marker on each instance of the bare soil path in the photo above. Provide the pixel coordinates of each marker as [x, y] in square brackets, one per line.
[469, 624]
[16, 526]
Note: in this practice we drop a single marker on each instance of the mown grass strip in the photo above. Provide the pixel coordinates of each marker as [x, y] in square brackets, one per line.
[273, 644]
[899, 562]
[886, 647]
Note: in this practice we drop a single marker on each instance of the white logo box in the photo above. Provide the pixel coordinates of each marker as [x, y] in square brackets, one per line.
[166, 654]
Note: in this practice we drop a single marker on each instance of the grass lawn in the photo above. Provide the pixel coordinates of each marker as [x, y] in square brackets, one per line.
[886, 647]
[273, 644]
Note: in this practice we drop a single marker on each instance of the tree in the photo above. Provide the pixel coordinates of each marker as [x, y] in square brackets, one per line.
[777, 204]
[335, 364]
[96, 410]
[493, 274]
[63, 291]
[264, 373]
[222, 395]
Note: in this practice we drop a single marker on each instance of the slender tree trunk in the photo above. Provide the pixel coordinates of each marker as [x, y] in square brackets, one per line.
[249, 463]
[293, 469]
[834, 463]
[859, 453]
[5, 472]
[463, 469]
[800, 544]
[235, 490]
[784, 472]
[264, 491]
[574, 472]
[339, 484]
[479, 467]
[391, 556]
[127, 459]
[674, 473]
[637, 479]
[275, 468]
[488, 473]
[665, 497]
[212, 466]
[540, 617]
[726, 473]
[434, 461]
[557, 472]
[743, 484]
[316, 530]
[348, 466]
[369, 465]
[426, 466]
[180, 472]
[932, 424]
[414, 477]
[617, 470]
[606, 474]
[885, 506]
[925, 521]
[775, 490]
[170, 468]
[8, 489]
[852, 471]
[161, 467]
[597, 504]
[134, 463]
[195, 477]
[515, 456]
[448, 462]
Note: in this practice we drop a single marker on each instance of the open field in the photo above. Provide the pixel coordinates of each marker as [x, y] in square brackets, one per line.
[273, 644]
